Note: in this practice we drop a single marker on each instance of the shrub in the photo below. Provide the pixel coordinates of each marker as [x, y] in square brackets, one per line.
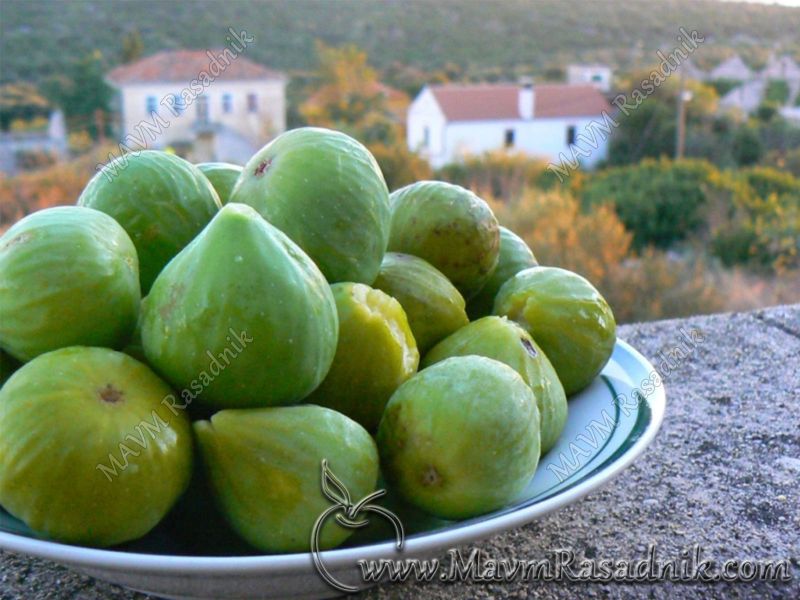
[595, 244]
[499, 174]
[400, 165]
[659, 201]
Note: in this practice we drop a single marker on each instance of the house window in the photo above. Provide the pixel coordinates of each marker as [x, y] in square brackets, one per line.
[509, 138]
[597, 78]
[252, 103]
[227, 103]
[426, 137]
[179, 104]
[202, 109]
[150, 105]
[570, 135]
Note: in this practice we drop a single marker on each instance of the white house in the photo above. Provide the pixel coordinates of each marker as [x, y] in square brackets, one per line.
[209, 105]
[596, 75]
[732, 68]
[447, 122]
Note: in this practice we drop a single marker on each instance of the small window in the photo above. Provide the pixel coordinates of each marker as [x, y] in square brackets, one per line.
[179, 104]
[570, 135]
[252, 103]
[202, 109]
[150, 105]
[597, 77]
[227, 103]
[426, 137]
[509, 138]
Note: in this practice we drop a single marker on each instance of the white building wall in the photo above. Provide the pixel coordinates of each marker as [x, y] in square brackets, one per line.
[543, 138]
[424, 114]
[268, 120]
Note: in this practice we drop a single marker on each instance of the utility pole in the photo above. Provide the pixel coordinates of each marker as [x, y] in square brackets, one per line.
[684, 96]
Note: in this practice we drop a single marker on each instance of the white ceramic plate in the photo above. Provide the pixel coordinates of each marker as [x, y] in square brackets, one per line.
[609, 434]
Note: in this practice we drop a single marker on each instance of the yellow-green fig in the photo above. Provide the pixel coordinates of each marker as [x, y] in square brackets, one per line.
[375, 354]
[264, 466]
[325, 191]
[222, 176]
[504, 340]
[566, 315]
[515, 256]
[460, 438]
[433, 305]
[68, 276]
[241, 317]
[448, 226]
[91, 450]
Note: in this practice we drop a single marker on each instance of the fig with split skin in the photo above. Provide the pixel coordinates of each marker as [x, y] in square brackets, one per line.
[460, 438]
[433, 305]
[160, 199]
[90, 452]
[264, 467]
[504, 340]
[326, 192]
[68, 276]
[515, 256]
[222, 176]
[241, 317]
[376, 353]
[449, 227]
[566, 315]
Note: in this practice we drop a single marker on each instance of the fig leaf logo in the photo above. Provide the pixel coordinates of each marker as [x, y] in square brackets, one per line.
[347, 515]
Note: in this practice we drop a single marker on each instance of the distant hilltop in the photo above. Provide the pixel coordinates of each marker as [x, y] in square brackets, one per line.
[486, 41]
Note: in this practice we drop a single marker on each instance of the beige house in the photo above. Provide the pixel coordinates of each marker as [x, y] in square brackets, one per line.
[205, 105]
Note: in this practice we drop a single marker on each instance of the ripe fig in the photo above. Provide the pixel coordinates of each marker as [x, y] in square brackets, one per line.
[222, 176]
[515, 256]
[90, 452]
[569, 319]
[160, 199]
[433, 305]
[68, 276]
[326, 192]
[264, 468]
[375, 354]
[448, 226]
[241, 317]
[460, 438]
[504, 340]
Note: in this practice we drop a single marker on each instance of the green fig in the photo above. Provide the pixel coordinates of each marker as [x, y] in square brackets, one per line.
[241, 317]
[68, 276]
[160, 199]
[375, 354]
[504, 340]
[264, 466]
[448, 226]
[326, 192]
[91, 451]
[222, 176]
[569, 319]
[515, 256]
[433, 305]
[460, 438]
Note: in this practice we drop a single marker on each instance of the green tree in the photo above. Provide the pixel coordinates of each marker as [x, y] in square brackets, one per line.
[132, 46]
[82, 91]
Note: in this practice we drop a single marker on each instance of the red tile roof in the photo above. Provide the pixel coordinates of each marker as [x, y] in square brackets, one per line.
[185, 65]
[500, 101]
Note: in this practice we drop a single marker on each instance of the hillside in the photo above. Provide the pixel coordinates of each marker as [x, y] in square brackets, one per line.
[484, 39]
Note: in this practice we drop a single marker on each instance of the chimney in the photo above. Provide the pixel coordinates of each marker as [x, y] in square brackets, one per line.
[526, 99]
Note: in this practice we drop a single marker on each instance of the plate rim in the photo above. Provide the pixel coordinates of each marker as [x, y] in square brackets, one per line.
[421, 544]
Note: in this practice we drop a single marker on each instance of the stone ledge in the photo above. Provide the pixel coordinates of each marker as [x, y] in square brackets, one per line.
[723, 473]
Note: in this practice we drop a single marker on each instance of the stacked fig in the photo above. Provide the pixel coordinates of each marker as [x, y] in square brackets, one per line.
[235, 328]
